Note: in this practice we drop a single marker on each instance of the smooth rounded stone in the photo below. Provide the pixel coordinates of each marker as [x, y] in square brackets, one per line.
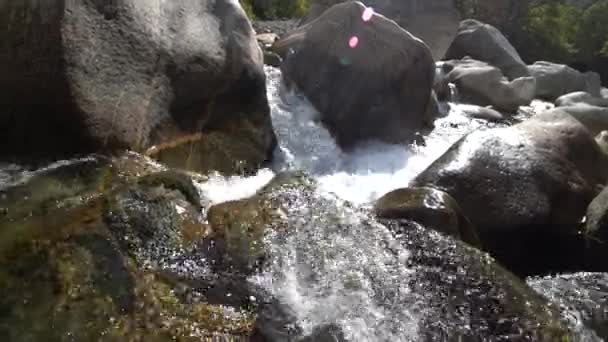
[484, 42]
[266, 39]
[272, 59]
[554, 80]
[429, 207]
[128, 75]
[580, 97]
[108, 255]
[363, 92]
[456, 292]
[583, 298]
[596, 225]
[433, 21]
[602, 140]
[478, 112]
[482, 84]
[525, 188]
[604, 93]
[594, 118]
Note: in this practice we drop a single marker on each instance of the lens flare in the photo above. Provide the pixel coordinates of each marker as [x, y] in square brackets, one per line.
[353, 42]
[368, 13]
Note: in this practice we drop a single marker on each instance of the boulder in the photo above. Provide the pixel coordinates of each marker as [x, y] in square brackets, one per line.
[465, 295]
[429, 207]
[433, 21]
[427, 286]
[102, 248]
[482, 84]
[604, 93]
[602, 140]
[580, 97]
[582, 297]
[485, 43]
[596, 224]
[85, 76]
[525, 188]
[485, 113]
[594, 118]
[354, 72]
[554, 80]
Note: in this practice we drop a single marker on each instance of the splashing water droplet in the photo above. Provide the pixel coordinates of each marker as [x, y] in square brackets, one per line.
[353, 42]
[368, 13]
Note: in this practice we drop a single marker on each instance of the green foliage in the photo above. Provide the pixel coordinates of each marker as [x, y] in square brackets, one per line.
[275, 9]
[552, 29]
[560, 32]
[593, 31]
[248, 7]
[604, 51]
[468, 8]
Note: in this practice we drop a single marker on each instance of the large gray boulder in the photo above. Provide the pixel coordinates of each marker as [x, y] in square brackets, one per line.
[379, 89]
[594, 118]
[433, 21]
[482, 84]
[485, 43]
[525, 187]
[581, 97]
[554, 80]
[100, 76]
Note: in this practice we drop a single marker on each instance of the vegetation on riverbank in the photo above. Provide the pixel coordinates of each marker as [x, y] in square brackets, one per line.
[275, 9]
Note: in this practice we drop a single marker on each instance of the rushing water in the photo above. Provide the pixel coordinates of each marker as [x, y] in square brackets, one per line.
[346, 274]
[360, 176]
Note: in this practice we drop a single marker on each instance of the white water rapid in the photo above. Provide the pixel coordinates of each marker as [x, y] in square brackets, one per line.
[346, 275]
[359, 177]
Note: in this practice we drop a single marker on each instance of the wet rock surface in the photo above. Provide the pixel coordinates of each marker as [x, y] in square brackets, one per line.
[107, 262]
[525, 188]
[582, 297]
[429, 207]
[460, 292]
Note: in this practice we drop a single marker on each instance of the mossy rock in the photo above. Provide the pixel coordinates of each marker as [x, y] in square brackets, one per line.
[239, 227]
[431, 208]
[119, 265]
[232, 149]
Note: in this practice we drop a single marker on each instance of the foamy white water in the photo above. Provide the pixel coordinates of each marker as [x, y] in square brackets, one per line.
[366, 173]
[360, 176]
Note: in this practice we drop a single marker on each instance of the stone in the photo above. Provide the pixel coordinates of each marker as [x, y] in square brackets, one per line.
[429, 207]
[82, 77]
[433, 21]
[482, 84]
[554, 80]
[363, 92]
[484, 42]
[525, 188]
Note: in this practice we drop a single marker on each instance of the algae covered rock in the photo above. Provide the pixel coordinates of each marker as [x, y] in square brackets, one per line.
[108, 261]
[431, 208]
[239, 227]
